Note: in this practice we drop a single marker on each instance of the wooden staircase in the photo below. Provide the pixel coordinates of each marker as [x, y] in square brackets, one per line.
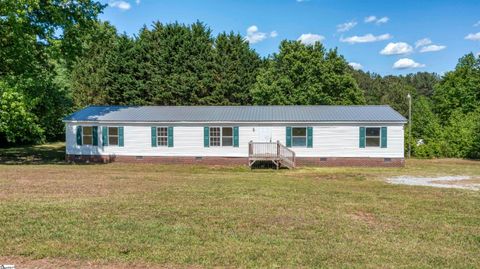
[275, 152]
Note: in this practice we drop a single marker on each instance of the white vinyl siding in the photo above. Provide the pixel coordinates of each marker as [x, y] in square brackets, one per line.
[329, 140]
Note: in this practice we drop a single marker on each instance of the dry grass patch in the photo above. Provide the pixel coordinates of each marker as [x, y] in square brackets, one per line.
[120, 215]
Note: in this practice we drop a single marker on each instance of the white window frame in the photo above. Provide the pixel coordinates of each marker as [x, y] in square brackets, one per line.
[108, 136]
[83, 135]
[220, 136]
[306, 136]
[370, 136]
[158, 128]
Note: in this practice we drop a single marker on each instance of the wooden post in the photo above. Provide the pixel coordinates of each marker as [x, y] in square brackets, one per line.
[294, 164]
[278, 149]
[250, 148]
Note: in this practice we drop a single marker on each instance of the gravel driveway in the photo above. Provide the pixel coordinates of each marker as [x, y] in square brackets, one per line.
[458, 182]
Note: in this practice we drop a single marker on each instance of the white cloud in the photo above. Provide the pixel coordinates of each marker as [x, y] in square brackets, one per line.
[423, 42]
[425, 45]
[396, 49]
[355, 66]
[310, 39]
[255, 36]
[476, 24]
[120, 4]
[406, 63]
[474, 37]
[370, 19]
[382, 20]
[431, 48]
[300, 1]
[344, 27]
[137, 2]
[376, 20]
[365, 38]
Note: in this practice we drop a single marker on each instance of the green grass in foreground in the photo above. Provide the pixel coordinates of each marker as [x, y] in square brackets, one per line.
[231, 216]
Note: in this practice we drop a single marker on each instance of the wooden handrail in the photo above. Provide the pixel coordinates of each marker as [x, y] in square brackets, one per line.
[271, 151]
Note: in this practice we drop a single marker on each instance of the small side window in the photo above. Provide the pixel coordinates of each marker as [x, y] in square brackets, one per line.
[299, 137]
[227, 136]
[215, 134]
[87, 135]
[162, 136]
[372, 137]
[113, 136]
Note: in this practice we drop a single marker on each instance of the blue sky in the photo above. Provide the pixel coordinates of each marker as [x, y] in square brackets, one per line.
[386, 37]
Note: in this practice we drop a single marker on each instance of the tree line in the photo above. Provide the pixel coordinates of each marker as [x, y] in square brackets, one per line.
[57, 56]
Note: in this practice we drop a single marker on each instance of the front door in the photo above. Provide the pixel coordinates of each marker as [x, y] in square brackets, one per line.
[264, 134]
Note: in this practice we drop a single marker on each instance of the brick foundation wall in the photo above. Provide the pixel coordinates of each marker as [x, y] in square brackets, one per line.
[301, 161]
[159, 159]
[353, 161]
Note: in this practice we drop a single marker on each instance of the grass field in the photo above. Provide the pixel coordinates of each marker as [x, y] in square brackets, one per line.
[127, 215]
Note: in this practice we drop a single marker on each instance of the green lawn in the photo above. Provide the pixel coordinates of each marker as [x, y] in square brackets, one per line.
[177, 216]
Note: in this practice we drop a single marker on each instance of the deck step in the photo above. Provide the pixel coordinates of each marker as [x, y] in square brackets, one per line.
[275, 152]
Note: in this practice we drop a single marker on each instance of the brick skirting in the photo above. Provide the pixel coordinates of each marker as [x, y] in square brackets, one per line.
[350, 161]
[300, 161]
[159, 159]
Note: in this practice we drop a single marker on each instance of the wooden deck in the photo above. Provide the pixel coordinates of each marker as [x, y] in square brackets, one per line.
[275, 152]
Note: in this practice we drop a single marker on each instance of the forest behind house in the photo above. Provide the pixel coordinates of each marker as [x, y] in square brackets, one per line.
[58, 56]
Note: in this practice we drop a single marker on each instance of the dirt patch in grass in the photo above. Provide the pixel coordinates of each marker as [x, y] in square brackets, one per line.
[167, 216]
[49, 263]
[364, 217]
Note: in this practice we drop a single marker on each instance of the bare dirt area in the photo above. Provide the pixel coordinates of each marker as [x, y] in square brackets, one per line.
[175, 216]
[50, 263]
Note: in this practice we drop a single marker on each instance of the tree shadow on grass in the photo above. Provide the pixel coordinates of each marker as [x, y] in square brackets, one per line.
[53, 153]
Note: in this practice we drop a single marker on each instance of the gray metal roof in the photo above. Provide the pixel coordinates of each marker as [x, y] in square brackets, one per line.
[237, 114]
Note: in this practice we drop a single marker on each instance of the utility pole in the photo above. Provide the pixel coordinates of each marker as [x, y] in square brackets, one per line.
[409, 125]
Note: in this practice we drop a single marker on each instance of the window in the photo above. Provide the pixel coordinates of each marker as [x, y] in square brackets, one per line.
[87, 135]
[299, 137]
[227, 136]
[221, 136]
[113, 136]
[372, 136]
[162, 136]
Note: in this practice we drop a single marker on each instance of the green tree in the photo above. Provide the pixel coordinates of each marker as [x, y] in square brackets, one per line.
[459, 89]
[91, 70]
[39, 40]
[305, 75]
[176, 64]
[236, 69]
[17, 124]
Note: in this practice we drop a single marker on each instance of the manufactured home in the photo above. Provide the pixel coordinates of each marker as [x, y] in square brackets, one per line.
[286, 135]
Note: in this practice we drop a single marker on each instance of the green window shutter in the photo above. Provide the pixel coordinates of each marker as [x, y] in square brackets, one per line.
[105, 136]
[309, 137]
[235, 136]
[95, 135]
[120, 137]
[362, 137]
[79, 135]
[170, 137]
[154, 136]
[206, 137]
[383, 135]
[288, 139]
